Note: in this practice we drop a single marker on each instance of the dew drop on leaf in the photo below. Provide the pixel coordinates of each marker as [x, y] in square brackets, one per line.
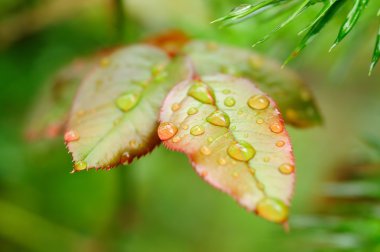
[219, 118]
[259, 121]
[258, 102]
[222, 161]
[276, 127]
[71, 136]
[185, 126]
[80, 166]
[280, 143]
[176, 139]
[241, 151]
[192, 111]
[272, 209]
[205, 150]
[202, 93]
[197, 130]
[229, 101]
[127, 101]
[166, 130]
[210, 139]
[286, 169]
[176, 107]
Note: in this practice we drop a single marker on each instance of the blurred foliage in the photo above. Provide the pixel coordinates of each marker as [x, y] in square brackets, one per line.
[328, 11]
[153, 205]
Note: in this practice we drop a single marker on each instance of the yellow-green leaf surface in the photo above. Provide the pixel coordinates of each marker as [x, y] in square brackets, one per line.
[114, 116]
[235, 138]
[49, 113]
[294, 99]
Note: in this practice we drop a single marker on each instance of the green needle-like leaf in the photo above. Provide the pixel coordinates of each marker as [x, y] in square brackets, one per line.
[317, 26]
[376, 53]
[236, 141]
[114, 116]
[350, 21]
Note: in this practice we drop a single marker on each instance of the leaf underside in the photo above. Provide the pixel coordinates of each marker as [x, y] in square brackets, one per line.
[240, 154]
[294, 99]
[114, 116]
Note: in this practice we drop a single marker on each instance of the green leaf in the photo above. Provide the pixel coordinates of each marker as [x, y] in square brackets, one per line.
[285, 87]
[376, 53]
[245, 11]
[49, 113]
[114, 116]
[330, 8]
[239, 147]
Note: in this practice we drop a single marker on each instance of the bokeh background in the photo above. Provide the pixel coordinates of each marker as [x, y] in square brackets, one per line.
[158, 203]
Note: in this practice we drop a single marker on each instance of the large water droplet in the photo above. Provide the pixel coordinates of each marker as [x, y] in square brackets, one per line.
[205, 150]
[272, 209]
[192, 111]
[176, 107]
[241, 151]
[166, 130]
[197, 130]
[71, 136]
[202, 93]
[276, 127]
[258, 102]
[286, 169]
[127, 101]
[219, 118]
[229, 101]
[80, 165]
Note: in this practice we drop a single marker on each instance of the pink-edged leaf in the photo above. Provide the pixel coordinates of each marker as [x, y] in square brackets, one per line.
[114, 116]
[235, 138]
[294, 99]
[50, 110]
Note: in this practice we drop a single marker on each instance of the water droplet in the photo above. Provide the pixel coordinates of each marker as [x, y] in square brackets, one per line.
[258, 102]
[185, 126]
[205, 150]
[80, 165]
[166, 130]
[226, 91]
[280, 143]
[229, 101]
[241, 151]
[241, 9]
[259, 121]
[71, 136]
[202, 93]
[127, 101]
[222, 161]
[192, 111]
[219, 118]
[197, 130]
[233, 127]
[176, 139]
[105, 62]
[158, 72]
[133, 143]
[276, 127]
[125, 158]
[240, 111]
[175, 107]
[266, 159]
[272, 209]
[286, 168]
[210, 139]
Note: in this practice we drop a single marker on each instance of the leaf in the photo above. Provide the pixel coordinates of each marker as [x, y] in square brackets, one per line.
[244, 11]
[49, 113]
[376, 52]
[235, 138]
[287, 89]
[114, 116]
[323, 18]
[350, 21]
